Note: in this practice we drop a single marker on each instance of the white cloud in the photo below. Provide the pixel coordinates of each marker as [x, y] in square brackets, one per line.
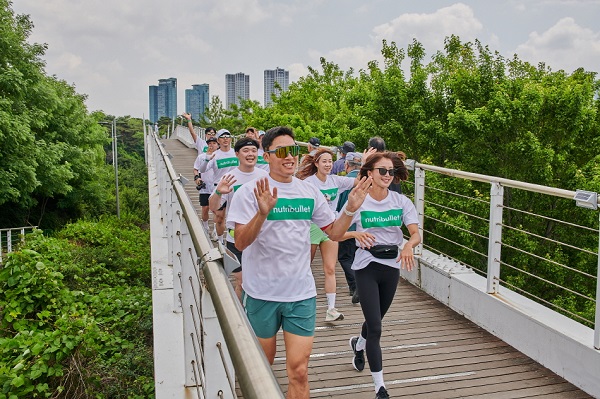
[431, 29]
[565, 44]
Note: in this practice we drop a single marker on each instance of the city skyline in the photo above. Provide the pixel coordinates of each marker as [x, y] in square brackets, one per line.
[111, 51]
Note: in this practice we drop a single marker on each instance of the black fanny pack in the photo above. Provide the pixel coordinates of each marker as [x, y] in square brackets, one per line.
[384, 251]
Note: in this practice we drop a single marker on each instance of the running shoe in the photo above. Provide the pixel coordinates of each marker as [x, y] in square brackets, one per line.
[333, 315]
[358, 361]
[355, 298]
[382, 394]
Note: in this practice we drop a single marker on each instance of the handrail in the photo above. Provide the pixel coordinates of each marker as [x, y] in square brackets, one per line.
[7, 244]
[255, 377]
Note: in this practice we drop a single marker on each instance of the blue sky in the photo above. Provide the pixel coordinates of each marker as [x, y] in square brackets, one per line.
[112, 50]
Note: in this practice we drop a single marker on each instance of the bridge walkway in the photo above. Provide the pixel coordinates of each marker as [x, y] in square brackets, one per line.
[429, 351]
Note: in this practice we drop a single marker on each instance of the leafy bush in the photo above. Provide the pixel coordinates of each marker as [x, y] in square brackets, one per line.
[76, 316]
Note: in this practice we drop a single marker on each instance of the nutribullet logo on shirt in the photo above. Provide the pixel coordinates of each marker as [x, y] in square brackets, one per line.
[389, 218]
[227, 162]
[292, 209]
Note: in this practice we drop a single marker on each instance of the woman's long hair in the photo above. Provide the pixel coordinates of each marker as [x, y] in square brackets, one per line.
[397, 158]
[308, 167]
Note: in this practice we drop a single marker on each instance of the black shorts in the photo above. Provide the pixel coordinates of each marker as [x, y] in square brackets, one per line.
[204, 199]
[238, 255]
[223, 206]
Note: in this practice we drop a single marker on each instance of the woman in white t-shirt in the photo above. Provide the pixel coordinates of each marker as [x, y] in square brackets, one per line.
[315, 169]
[377, 267]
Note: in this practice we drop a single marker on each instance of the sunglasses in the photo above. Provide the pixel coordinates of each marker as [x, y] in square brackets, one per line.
[383, 171]
[283, 152]
[225, 136]
[211, 133]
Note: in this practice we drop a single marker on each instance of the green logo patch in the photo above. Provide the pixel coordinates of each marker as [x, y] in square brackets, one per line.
[261, 161]
[393, 217]
[292, 209]
[227, 162]
[330, 193]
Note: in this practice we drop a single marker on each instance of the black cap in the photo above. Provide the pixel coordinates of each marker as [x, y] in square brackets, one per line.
[347, 147]
[208, 140]
[315, 142]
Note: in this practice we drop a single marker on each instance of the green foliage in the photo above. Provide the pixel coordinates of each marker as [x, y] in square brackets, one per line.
[75, 314]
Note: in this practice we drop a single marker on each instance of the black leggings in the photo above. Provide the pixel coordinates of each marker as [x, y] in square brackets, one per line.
[376, 285]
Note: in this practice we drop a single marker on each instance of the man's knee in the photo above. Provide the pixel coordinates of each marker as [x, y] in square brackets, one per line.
[298, 372]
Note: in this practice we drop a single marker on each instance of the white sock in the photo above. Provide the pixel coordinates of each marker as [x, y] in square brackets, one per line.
[330, 301]
[378, 380]
[205, 224]
[361, 344]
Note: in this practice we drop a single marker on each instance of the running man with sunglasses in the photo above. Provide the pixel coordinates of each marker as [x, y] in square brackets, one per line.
[377, 268]
[272, 218]
[246, 149]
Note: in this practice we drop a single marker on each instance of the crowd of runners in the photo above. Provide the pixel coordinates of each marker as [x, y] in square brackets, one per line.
[273, 211]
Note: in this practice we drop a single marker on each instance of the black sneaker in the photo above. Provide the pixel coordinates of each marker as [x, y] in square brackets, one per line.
[358, 361]
[382, 394]
[355, 298]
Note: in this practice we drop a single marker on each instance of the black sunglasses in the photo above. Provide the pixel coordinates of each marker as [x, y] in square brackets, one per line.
[383, 171]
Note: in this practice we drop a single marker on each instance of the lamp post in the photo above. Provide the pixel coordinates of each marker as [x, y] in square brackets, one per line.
[113, 135]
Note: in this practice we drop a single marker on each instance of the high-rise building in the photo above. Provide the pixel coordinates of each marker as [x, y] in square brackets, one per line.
[237, 87]
[279, 75]
[197, 100]
[153, 100]
[163, 99]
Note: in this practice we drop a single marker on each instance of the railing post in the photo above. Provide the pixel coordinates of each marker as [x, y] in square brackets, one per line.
[495, 237]
[221, 369]
[597, 318]
[192, 326]
[420, 205]
[176, 250]
[9, 241]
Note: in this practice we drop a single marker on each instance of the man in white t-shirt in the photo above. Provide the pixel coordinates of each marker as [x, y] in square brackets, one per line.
[261, 163]
[272, 230]
[246, 150]
[204, 182]
[201, 144]
[220, 162]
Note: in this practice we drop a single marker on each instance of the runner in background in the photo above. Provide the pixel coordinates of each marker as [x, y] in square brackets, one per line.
[220, 162]
[204, 181]
[246, 150]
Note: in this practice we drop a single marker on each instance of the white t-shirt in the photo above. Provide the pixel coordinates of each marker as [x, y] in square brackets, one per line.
[201, 145]
[383, 219]
[332, 187]
[222, 162]
[260, 162]
[207, 177]
[240, 179]
[277, 263]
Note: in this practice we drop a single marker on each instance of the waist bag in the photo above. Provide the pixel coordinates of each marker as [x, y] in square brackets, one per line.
[384, 251]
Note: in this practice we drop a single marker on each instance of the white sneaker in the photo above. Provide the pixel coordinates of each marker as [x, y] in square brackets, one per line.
[213, 235]
[333, 315]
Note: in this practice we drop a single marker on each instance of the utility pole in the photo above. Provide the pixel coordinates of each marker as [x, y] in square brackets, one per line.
[115, 164]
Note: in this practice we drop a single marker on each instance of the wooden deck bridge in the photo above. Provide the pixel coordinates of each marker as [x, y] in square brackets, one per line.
[429, 351]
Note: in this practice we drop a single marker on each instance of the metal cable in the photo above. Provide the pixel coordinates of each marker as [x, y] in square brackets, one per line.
[231, 381]
[456, 227]
[550, 239]
[552, 219]
[547, 281]
[515, 288]
[548, 260]
[456, 210]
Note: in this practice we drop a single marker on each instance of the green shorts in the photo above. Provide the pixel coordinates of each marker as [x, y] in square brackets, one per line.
[316, 235]
[266, 317]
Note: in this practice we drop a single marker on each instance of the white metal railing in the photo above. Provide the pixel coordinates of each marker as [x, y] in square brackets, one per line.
[216, 333]
[480, 228]
[9, 237]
